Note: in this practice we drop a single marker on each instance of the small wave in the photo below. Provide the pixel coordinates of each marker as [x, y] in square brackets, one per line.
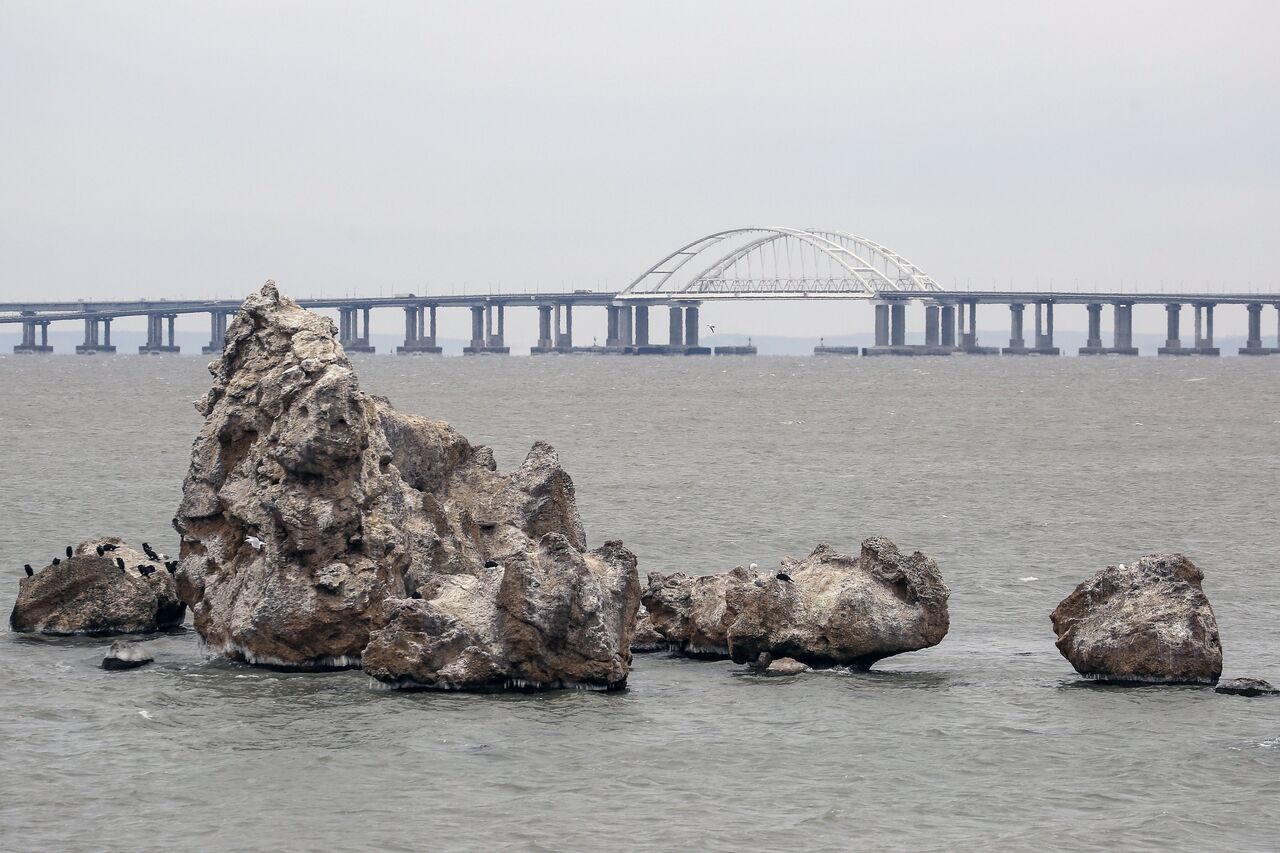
[1028, 579]
[145, 714]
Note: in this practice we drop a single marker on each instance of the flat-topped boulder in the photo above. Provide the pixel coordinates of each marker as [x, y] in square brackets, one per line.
[322, 528]
[118, 591]
[1246, 687]
[824, 610]
[1147, 622]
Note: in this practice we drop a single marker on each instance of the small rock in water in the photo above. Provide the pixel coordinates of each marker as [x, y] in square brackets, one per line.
[1246, 687]
[786, 666]
[126, 655]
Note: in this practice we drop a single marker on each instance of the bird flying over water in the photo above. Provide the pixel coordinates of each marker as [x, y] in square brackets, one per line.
[712, 328]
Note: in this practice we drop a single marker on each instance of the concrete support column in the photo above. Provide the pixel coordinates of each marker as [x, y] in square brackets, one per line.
[477, 326]
[559, 335]
[948, 325]
[931, 329]
[1199, 325]
[544, 326]
[691, 326]
[1173, 339]
[1048, 325]
[1016, 340]
[971, 337]
[611, 326]
[1095, 326]
[624, 325]
[1208, 325]
[675, 336]
[897, 324]
[106, 332]
[1124, 326]
[882, 325]
[365, 337]
[642, 325]
[495, 333]
[1253, 345]
[410, 326]
[1039, 338]
[568, 324]
[431, 336]
[172, 318]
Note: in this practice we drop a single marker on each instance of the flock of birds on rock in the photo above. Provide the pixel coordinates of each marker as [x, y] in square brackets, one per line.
[144, 569]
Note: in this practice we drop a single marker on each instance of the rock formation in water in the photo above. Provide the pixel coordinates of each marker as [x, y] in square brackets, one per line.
[1146, 622]
[88, 593]
[124, 655]
[1246, 687]
[322, 528]
[827, 609]
[646, 638]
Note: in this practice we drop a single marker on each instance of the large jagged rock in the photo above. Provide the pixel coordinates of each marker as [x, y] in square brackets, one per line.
[827, 609]
[90, 594]
[1146, 622]
[388, 540]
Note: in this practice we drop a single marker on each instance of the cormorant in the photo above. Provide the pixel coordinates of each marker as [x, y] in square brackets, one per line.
[100, 551]
[29, 570]
[783, 576]
[56, 561]
[69, 552]
[120, 563]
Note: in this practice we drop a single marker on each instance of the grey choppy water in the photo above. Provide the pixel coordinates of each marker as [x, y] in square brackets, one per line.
[999, 468]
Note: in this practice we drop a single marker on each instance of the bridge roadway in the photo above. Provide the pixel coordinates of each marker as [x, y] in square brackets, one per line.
[950, 320]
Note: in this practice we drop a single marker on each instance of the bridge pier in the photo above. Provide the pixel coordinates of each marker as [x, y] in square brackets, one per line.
[349, 329]
[155, 344]
[485, 338]
[624, 327]
[217, 332]
[1122, 333]
[92, 343]
[969, 340]
[948, 321]
[1043, 336]
[642, 326]
[417, 339]
[1253, 344]
[1173, 338]
[29, 344]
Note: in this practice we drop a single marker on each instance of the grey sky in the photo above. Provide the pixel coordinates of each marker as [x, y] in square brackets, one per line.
[178, 149]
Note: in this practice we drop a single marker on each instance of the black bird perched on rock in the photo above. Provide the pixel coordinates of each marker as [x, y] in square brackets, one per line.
[416, 594]
[56, 561]
[146, 570]
[69, 552]
[172, 566]
[150, 552]
[783, 576]
[100, 551]
[120, 563]
[107, 546]
[28, 570]
[491, 564]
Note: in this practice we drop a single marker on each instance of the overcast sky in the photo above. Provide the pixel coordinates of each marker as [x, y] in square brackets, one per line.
[191, 150]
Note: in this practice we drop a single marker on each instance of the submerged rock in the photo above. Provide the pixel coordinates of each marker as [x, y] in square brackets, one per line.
[766, 665]
[1146, 622]
[322, 528]
[125, 655]
[88, 593]
[827, 609]
[1246, 687]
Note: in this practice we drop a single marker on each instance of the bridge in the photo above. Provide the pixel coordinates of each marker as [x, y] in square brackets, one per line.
[756, 263]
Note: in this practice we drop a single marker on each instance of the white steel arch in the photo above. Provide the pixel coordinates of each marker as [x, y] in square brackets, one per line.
[773, 260]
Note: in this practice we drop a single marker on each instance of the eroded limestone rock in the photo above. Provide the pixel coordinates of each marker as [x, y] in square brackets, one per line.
[1146, 622]
[1246, 687]
[123, 655]
[827, 609]
[387, 540]
[89, 593]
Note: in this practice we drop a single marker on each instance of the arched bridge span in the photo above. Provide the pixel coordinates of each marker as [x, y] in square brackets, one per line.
[781, 261]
